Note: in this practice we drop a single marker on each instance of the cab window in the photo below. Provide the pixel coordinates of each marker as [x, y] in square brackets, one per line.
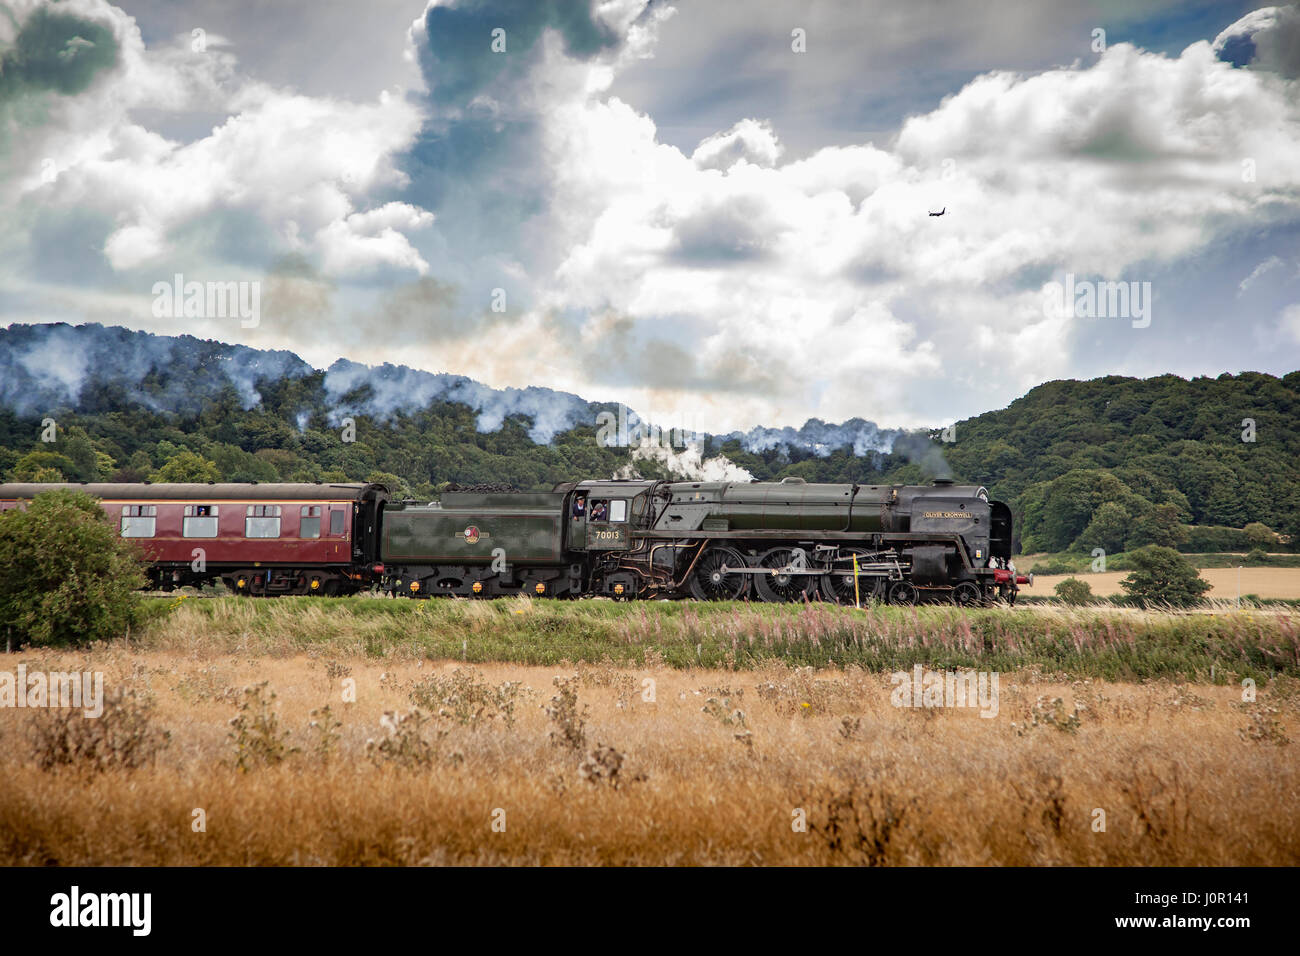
[618, 509]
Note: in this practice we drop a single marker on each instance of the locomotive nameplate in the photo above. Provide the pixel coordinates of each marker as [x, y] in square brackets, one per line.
[945, 514]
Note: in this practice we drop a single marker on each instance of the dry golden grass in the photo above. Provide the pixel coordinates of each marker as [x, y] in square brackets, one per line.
[1263, 582]
[1185, 774]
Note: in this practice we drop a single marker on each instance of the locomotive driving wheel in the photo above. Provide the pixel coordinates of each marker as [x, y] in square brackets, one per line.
[714, 578]
[837, 586]
[773, 585]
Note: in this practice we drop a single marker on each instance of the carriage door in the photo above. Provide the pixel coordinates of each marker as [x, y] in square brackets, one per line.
[338, 528]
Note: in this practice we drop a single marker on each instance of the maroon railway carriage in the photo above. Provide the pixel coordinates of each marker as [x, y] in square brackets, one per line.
[260, 539]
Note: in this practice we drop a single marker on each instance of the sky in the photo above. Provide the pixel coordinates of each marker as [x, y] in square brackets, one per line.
[717, 212]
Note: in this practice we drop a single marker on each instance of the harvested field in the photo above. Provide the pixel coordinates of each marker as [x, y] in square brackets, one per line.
[1261, 582]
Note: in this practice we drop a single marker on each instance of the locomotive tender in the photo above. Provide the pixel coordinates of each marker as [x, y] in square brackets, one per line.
[625, 539]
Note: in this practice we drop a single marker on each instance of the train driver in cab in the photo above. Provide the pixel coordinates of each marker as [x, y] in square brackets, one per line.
[599, 511]
[579, 505]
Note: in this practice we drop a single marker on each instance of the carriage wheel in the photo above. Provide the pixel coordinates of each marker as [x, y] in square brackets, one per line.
[776, 588]
[709, 582]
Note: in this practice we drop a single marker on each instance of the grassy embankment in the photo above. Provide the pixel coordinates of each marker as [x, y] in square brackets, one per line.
[1106, 643]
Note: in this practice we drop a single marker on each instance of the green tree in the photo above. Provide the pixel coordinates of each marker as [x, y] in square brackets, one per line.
[81, 451]
[1163, 576]
[1074, 591]
[1070, 502]
[140, 462]
[283, 463]
[39, 465]
[1106, 530]
[187, 466]
[1158, 524]
[235, 464]
[396, 485]
[69, 578]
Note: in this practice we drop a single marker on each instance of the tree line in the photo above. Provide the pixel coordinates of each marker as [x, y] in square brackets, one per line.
[1207, 464]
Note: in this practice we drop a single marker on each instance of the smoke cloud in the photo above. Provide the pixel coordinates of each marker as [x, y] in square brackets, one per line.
[94, 368]
[89, 367]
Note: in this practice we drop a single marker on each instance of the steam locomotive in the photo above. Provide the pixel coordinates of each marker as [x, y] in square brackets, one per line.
[769, 541]
[625, 539]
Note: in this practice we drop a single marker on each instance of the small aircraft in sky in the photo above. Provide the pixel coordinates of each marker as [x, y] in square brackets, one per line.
[940, 212]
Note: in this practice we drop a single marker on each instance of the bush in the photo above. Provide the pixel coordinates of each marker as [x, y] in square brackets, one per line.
[1260, 536]
[1074, 591]
[1163, 576]
[122, 737]
[68, 578]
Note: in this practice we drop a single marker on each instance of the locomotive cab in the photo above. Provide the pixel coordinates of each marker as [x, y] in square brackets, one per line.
[1000, 532]
[602, 514]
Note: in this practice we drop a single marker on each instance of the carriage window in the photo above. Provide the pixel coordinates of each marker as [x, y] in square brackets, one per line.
[618, 509]
[336, 521]
[138, 521]
[309, 523]
[200, 521]
[262, 521]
